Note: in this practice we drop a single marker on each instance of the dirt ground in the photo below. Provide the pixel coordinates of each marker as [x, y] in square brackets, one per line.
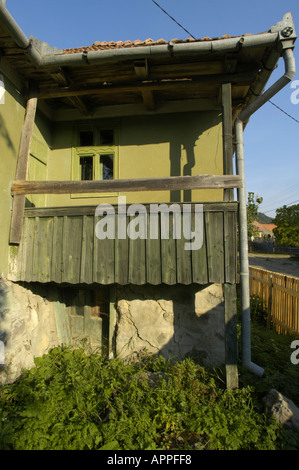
[277, 263]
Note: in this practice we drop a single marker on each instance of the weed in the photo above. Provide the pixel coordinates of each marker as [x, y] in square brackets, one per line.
[73, 401]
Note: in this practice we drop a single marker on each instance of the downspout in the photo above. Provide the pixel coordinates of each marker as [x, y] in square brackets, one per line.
[290, 70]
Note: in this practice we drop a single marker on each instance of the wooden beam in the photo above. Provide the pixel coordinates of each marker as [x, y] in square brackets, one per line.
[227, 136]
[127, 185]
[231, 341]
[226, 207]
[148, 99]
[22, 168]
[142, 73]
[172, 85]
[63, 80]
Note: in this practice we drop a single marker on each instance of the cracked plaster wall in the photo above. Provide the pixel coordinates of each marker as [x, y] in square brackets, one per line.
[178, 321]
[27, 328]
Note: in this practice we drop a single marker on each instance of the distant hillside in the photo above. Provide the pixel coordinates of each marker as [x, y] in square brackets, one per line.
[263, 218]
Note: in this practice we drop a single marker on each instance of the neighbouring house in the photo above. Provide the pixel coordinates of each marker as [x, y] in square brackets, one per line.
[264, 230]
[132, 125]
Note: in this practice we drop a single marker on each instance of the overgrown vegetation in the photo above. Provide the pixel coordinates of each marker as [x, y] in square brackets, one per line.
[71, 400]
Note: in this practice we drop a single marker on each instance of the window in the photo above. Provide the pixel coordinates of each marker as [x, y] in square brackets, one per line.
[86, 167]
[95, 156]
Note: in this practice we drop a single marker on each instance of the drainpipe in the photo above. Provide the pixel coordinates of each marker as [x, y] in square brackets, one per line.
[244, 116]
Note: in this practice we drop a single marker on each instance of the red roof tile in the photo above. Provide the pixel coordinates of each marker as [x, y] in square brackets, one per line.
[103, 45]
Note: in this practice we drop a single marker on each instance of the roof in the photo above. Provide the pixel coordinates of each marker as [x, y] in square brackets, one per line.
[103, 45]
[149, 73]
[264, 227]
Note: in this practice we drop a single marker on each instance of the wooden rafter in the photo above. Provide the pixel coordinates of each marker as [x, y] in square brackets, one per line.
[138, 87]
[61, 78]
[142, 73]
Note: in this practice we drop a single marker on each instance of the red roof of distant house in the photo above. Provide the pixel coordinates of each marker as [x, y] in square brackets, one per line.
[264, 227]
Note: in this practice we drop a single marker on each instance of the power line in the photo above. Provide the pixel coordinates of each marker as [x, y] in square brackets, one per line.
[283, 111]
[290, 203]
[173, 19]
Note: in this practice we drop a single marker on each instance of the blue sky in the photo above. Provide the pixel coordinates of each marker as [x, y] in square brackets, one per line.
[271, 137]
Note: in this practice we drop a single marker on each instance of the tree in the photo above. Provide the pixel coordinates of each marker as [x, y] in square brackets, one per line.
[287, 230]
[253, 203]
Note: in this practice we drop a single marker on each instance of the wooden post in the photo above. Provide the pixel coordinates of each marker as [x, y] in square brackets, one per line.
[231, 343]
[112, 319]
[227, 137]
[22, 168]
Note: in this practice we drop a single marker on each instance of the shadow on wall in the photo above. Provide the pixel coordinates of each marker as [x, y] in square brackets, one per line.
[3, 313]
[5, 135]
[81, 314]
[176, 321]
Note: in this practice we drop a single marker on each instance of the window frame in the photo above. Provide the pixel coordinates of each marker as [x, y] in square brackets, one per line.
[95, 151]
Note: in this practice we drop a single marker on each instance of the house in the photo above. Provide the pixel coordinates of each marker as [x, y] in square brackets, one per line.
[264, 230]
[103, 148]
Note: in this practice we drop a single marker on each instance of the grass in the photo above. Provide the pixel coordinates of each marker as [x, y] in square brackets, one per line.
[74, 401]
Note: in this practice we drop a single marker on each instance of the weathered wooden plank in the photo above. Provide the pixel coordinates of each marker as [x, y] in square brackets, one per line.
[90, 210]
[104, 268]
[35, 248]
[215, 246]
[128, 185]
[26, 136]
[183, 259]
[153, 253]
[26, 271]
[168, 257]
[230, 247]
[22, 169]
[86, 269]
[199, 260]
[231, 342]
[227, 126]
[18, 205]
[137, 257]
[57, 248]
[122, 256]
[72, 232]
[43, 249]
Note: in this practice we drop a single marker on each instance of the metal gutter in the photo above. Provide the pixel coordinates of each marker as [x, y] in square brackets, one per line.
[287, 43]
[160, 51]
[45, 56]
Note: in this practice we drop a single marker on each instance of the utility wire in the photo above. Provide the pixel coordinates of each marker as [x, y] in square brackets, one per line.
[173, 19]
[283, 111]
[290, 203]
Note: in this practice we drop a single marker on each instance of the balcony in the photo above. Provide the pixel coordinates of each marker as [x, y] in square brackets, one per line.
[60, 244]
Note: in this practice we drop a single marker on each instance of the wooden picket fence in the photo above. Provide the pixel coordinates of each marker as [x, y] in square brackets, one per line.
[280, 296]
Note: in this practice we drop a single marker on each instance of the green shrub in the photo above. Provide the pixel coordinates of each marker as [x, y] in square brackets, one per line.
[71, 400]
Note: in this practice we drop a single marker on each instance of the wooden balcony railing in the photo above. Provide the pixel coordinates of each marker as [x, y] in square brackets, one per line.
[20, 188]
[60, 244]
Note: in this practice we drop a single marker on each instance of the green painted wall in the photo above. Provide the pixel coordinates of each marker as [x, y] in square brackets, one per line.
[149, 146]
[12, 113]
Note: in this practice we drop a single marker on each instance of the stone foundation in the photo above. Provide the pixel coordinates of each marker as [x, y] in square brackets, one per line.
[178, 321]
[27, 328]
